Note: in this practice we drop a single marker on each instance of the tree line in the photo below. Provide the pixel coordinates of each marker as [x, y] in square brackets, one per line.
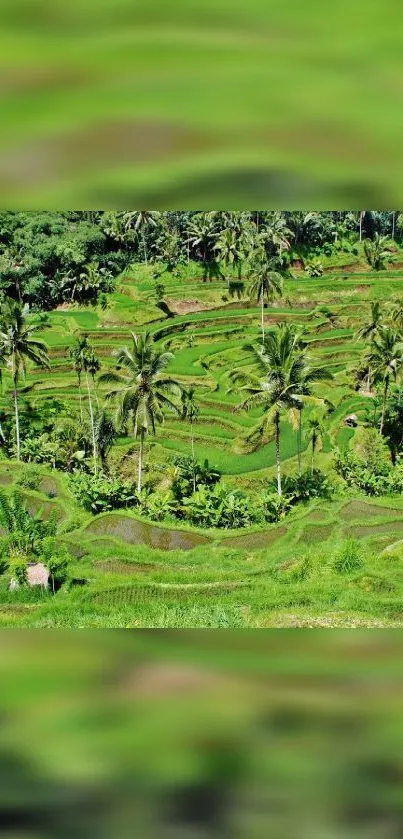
[48, 258]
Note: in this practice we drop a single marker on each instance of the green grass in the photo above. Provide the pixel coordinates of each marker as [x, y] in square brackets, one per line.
[136, 574]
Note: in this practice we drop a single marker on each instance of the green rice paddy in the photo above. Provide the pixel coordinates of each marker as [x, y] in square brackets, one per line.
[129, 572]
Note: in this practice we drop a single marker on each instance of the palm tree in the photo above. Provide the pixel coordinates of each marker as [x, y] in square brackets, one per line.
[266, 283]
[84, 359]
[190, 412]
[105, 435]
[316, 432]
[308, 377]
[396, 314]
[275, 234]
[200, 237]
[281, 365]
[370, 329]
[234, 244]
[17, 347]
[139, 221]
[376, 252]
[386, 359]
[143, 393]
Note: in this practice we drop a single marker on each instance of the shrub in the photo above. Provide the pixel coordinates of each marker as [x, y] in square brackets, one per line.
[368, 465]
[348, 558]
[273, 506]
[314, 267]
[18, 569]
[30, 478]
[98, 494]
[308, 485]
[219, 507]
[187, 471]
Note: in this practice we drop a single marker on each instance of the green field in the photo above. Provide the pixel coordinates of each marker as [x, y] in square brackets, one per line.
[130, 572]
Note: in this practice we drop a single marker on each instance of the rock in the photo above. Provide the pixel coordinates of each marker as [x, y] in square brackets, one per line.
[37, 574]
[351, 421]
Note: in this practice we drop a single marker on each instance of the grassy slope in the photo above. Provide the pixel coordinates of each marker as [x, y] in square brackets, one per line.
[253, 581]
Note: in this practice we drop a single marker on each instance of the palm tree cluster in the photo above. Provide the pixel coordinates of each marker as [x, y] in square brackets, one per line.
[382, 363]
[282, 385]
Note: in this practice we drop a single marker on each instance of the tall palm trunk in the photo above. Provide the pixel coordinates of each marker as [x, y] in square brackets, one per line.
[313, 452]
[300, 442]
[80, 397]
[193, 457]
[140, 470]
[385, 396]
[94, 442]
[278, 459]
[17, 418]
[262, 302]
[145, 249]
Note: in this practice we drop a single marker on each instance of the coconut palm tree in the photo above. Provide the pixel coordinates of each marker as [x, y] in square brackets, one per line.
[18, 347]
[396, 314]
[234, 244]
[386, 359]
[143, 393]
[200, 233]
[308, 377]
[139, 221]
[376, 252]
[316, 433]
[105, 435]
[190, 412]
[369, 329]
[275, 235]
[266, 283]
[276, 386]
[85, 360]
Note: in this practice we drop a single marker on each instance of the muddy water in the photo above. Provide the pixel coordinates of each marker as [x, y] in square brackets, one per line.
[141, 533]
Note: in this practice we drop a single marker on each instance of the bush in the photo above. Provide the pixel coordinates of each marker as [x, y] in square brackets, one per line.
[219, 507]
[18, 569]
[349, 558]
[30, 478]
[98, 494]
[187, 471]
[368, 465]
[308, 485]
[273, 506]
[314, 267]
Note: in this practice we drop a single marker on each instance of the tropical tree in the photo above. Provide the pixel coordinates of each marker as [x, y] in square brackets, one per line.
[308, 377]
[143, 393]
[276, 387]
[316, 433]
[275, 234]
[376, 252]
[85, 360]
[200, 234]
[266, 283]
[234, 245]
[396, 314]
[18, 347]
[105, 436]
[386, 359]
[369, 330]
[140, 221]
[191, 412]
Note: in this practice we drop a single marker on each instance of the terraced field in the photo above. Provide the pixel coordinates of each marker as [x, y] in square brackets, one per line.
[129, 572]
[210, 343]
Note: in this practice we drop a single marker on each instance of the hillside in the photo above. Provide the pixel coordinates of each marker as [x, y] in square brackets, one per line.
[129, 571]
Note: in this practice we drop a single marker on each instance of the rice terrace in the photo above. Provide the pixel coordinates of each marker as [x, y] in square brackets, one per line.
[201, 419]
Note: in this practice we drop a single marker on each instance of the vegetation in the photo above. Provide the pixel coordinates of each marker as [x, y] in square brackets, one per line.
[225, 384]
